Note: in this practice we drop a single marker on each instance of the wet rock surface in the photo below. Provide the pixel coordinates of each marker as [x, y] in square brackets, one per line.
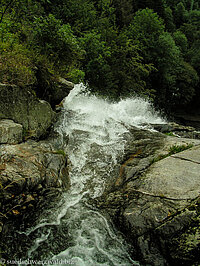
[152, 196]
[177, 130]
[32, 173]
[155, 201]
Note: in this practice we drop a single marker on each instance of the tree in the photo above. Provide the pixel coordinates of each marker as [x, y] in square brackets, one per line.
[5, 7]
[56, 40]
[179, 79]
[159, 48]
[146, 28]
[181, 41]
[166, 60]
[97, 69]
[129, 70]
[180, 14]
[124, 12]
[80, 14]
[169, 19]
[186, 82]
[156, 5]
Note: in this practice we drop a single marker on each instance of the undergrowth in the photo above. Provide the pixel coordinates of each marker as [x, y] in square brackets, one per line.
[172, 150]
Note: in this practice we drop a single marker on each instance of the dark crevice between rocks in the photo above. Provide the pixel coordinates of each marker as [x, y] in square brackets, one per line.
[185, 159]
[158, 196]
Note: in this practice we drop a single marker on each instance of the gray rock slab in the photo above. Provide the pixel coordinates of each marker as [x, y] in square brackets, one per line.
[10, 132]
[175, 177]
[191, 155]
[171, 141]
[25, 166]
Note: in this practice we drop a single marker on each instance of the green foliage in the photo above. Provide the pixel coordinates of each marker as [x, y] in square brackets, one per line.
[166, 51]
[129, 70]
[120, 48]
[146, 28]
[169, 19]
[81, 14]
[172, 150]
[186, 81]
[170, 134]
[97, 52]
[180, 14]
[180, 41]
[61, 152]
[115, 67]
[76, 75]
[54, 39]
[158, 158]
[179, 148]
[124, 12]
[15, 64]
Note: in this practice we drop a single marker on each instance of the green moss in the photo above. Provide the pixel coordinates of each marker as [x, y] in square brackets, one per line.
[158, 158]
[172, 150]
[61, 152]
[170, 134]
[179, 148]
[188, 242]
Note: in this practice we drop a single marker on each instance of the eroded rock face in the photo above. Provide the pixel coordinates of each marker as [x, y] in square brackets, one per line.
[22, 106]
[157, 205]
[30, 172]
[10, 132]
[62, 89]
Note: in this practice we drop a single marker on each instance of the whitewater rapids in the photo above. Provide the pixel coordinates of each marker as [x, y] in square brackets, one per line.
[74, 230]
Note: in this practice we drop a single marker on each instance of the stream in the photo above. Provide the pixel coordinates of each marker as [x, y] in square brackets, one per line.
[73, 232]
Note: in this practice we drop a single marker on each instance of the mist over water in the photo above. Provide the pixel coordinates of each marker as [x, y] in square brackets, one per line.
[74, 230]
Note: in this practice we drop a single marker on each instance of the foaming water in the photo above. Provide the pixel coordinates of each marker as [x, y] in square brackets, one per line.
[74, 230]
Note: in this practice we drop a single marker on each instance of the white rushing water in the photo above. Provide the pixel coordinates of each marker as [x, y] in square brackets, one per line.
[74, 230]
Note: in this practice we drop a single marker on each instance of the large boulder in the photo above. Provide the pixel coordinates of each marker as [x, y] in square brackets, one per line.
[62, 89]
[30, 173]
[154, 200]
[23, 107]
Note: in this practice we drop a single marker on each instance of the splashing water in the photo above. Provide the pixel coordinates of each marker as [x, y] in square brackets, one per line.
[75, 230]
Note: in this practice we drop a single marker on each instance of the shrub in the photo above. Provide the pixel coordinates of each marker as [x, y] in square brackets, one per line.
[15, 64]
[179, 148]
[56, 40]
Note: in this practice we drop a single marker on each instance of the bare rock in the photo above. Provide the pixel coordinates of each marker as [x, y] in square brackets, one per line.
[28, 171]
[157, 205]
[10, 132]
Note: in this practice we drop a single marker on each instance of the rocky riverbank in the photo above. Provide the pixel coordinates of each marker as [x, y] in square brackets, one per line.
[155, 201]
[32, 171]
[152, 195]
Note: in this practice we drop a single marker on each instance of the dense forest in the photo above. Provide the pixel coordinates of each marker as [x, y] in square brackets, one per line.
[120, 48]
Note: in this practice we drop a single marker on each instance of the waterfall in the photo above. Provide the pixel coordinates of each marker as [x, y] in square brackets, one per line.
[74, 230]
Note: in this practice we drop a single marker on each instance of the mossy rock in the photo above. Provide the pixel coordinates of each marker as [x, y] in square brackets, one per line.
[22, 106]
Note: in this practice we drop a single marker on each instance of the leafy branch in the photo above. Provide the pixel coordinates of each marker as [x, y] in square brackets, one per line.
[6, 8]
